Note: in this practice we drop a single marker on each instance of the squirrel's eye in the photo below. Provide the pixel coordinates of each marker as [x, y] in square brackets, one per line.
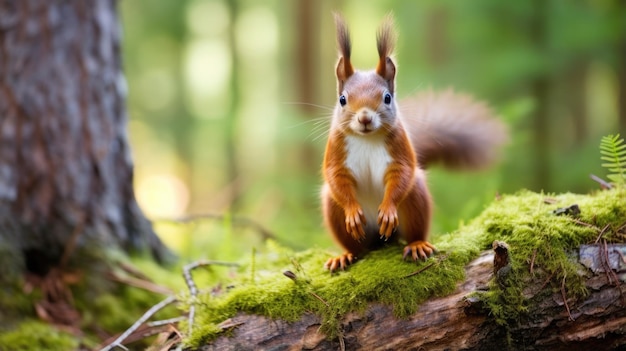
[387, 98]
[342, 100]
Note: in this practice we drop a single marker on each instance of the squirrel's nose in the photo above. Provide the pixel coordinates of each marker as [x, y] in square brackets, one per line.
[365, 119]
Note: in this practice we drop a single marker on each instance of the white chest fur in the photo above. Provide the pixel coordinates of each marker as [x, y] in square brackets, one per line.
[368, 159]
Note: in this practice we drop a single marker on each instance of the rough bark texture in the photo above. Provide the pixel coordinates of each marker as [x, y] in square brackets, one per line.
[453, 323]
[66, 174]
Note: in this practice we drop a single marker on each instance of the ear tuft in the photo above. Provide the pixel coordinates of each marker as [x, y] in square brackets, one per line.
[385, 41]
[344, 66]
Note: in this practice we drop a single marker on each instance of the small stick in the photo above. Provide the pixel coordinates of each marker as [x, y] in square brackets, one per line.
[569, 314]
[439, 260]
[609, 272]
[623, 226]
[319, 298]
[132, 270]
[342, 343]
[603, 183]
[604, 262]
[166, 321]
[419, 270]
[532, 262]
[291, 275]
[154, 309]
[140, 283]
[578, 221]
[602, 233]
[193, 289]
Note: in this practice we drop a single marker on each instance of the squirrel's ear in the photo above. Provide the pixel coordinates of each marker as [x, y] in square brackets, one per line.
[344, 71]
[384, 43]
[344, 66]
[387, 69]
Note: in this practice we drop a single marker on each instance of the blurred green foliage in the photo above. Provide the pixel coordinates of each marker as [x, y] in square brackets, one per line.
[229, 103]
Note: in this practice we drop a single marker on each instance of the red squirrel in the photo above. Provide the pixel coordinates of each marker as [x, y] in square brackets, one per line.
[375, 185]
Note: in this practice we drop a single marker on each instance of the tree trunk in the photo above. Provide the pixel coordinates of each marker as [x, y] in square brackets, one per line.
[454, 322]
[575, 92]
[306, 51]
[540, 90]
[66, 174]
[621, 75]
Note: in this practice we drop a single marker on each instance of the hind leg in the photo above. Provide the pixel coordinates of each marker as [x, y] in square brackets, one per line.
[335, 221]
[415, 215]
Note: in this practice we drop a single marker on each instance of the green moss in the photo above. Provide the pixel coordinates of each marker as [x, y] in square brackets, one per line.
[103, 305]
[379, 277]
[525, 221]
[35, 336]
[14, 304]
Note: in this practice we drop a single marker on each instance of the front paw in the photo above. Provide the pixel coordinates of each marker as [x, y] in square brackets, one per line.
[419, 250]
[387, 220]
[355, 220]
[340, 262]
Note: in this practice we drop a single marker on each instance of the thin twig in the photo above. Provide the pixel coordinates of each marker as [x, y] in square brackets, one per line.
[140, 283]
[342, 343]
[165, 341]
[166, 321]
[532, 262]
[602, 233]
[242, 221]
[604, 261]
[609, 271]
[319, 298]
[440, 259]
[569, 314]
[145, 332]
[578, 221]
[419, 270]
[193, 289]
[154, 309]
[291, 275]
[623, 226]
[603, 183]
[133, 271]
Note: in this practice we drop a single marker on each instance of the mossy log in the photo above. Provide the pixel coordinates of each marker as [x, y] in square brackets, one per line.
[530, 292]
[459, 320]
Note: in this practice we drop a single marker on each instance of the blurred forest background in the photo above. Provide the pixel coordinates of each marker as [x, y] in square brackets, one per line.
[229, 103]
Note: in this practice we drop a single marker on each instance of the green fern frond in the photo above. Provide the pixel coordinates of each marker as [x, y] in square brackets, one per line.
[613, 151]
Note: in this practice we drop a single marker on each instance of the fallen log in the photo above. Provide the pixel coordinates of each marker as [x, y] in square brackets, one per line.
[460, 321]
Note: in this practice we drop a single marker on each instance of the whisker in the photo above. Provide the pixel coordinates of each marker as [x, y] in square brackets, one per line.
[319, 132]
[319, 135]
[323, 107]
[314, 121]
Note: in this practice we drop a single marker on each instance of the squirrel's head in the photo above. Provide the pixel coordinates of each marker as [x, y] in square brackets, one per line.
[366, 99]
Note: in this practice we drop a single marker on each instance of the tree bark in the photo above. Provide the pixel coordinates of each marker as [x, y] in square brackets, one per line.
[66, 173]
[454, 322]
[540, 89]
[621, 76]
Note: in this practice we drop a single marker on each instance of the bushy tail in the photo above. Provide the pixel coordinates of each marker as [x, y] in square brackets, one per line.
[453, 129]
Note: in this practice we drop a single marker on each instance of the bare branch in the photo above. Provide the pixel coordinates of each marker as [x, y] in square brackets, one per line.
[154, 309]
